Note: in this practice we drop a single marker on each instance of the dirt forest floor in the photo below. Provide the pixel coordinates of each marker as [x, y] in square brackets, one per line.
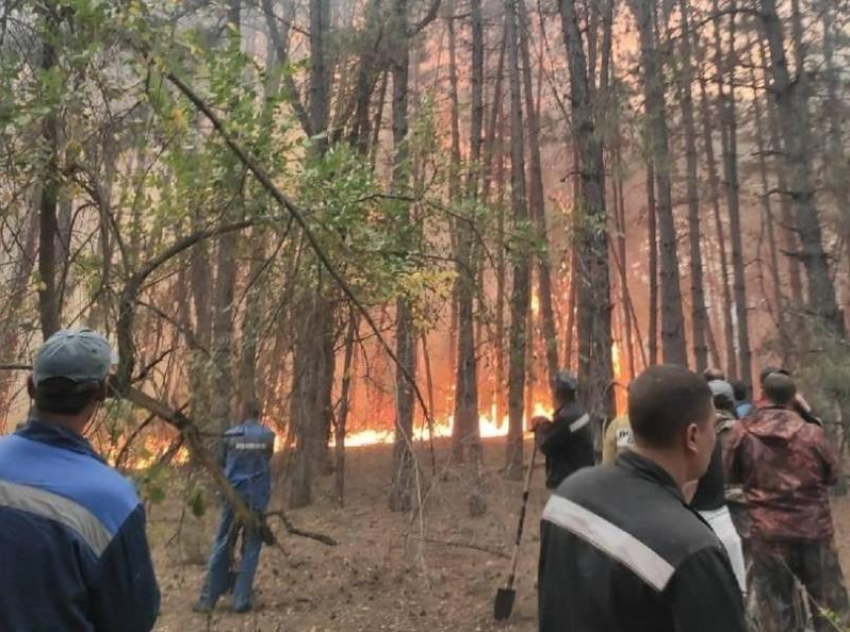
[389, 572]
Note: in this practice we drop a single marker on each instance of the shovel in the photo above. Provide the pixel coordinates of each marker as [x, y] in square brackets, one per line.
[505, 597]
[232, 568]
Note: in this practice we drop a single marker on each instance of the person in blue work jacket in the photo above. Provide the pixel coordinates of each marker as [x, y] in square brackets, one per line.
[246, 456]
[74, 556]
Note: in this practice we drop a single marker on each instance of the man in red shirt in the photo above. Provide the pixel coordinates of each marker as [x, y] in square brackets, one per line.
[786, 467]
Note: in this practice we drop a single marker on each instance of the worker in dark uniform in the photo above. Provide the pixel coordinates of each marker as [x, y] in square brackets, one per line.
[621, 550]
[567, 440]
[247, 451]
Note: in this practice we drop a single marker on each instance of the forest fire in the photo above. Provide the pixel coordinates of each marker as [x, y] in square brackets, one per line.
[488, 426]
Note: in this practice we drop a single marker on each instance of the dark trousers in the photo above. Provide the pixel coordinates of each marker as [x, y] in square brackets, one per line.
[781, 567]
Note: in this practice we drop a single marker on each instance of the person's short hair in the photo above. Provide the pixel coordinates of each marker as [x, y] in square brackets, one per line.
[770, 370]
[253, 410]
[62, 396]
[713, 373]
[666, 399]
[779, 388]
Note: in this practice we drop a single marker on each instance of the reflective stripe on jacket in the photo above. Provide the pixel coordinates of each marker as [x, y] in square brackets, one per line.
[247, 451]
[622, 552]
[74, 555]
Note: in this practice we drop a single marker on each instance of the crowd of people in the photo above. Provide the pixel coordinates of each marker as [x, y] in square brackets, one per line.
[709, 512]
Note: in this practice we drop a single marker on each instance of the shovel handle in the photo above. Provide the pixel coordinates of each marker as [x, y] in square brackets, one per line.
[521, 524]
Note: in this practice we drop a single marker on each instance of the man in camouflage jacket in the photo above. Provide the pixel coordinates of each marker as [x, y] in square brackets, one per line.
[786, 467]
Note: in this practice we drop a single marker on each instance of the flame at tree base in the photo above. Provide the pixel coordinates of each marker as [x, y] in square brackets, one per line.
[488, 427]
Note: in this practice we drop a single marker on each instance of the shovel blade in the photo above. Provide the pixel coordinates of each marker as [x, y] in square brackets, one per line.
[504, 603]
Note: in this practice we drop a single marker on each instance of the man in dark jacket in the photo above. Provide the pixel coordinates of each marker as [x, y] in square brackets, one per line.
[786, 467]
[74, 555]
[621, 550]
[567, 440]
[247, 450]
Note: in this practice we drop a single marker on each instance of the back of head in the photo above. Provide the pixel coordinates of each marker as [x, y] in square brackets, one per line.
[664, 401]
[565, 386]
[770, 370]
[61, 396]
[779, 388]
[252, 410]
[69, 372]
[713, 373]
[723, 394]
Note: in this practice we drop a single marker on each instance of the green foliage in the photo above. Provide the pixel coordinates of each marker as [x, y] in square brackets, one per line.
[196, 500]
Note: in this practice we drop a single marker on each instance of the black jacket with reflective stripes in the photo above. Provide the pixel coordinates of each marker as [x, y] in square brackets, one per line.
[621, 551]
[567, 443]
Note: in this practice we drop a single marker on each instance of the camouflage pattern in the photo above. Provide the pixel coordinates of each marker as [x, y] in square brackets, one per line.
[785, 467]
[795, 582]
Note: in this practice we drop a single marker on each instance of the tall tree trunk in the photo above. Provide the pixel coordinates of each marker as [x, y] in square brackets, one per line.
[725, 70]
[222, 345]
[477, 88]
[401, 492]
[674, 347]
[48, 296]
[537, 207]
[466, 413]
[789, 236]
[767, 211]
[345, 397]
[494, 127]
[251, 324]
[620, 218]
[792, 102]
[11, 333]
[311, 371]
[714, 194]
[520, 295]
[366, 76]
[595, 370]
[501, 277]
[837, 171]
[652, 213]
[699, 316]
[319, 77]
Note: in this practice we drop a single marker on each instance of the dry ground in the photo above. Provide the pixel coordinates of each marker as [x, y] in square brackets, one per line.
[382, 576]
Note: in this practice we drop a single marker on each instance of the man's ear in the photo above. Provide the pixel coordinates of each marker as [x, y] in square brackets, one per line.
[691, 432]
[102, 391]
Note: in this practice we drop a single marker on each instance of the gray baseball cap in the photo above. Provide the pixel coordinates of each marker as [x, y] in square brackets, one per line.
[564, 380]
[722, 388]
[79, 355]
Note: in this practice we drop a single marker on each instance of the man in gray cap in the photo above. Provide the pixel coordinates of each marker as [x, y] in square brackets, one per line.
[74, 555]
[566, 441]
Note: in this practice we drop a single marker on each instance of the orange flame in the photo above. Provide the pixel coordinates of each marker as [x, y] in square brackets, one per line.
[488, 427]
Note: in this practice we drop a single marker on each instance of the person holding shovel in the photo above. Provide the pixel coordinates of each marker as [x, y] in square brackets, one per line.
[621, 550]
[566, 441]
[247, 451]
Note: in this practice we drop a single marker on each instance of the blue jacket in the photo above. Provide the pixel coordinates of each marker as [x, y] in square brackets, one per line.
[247, 450]
[74, 555]
[743, 408]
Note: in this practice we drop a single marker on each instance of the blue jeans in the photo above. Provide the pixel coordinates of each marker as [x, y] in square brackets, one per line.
[217, 581]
